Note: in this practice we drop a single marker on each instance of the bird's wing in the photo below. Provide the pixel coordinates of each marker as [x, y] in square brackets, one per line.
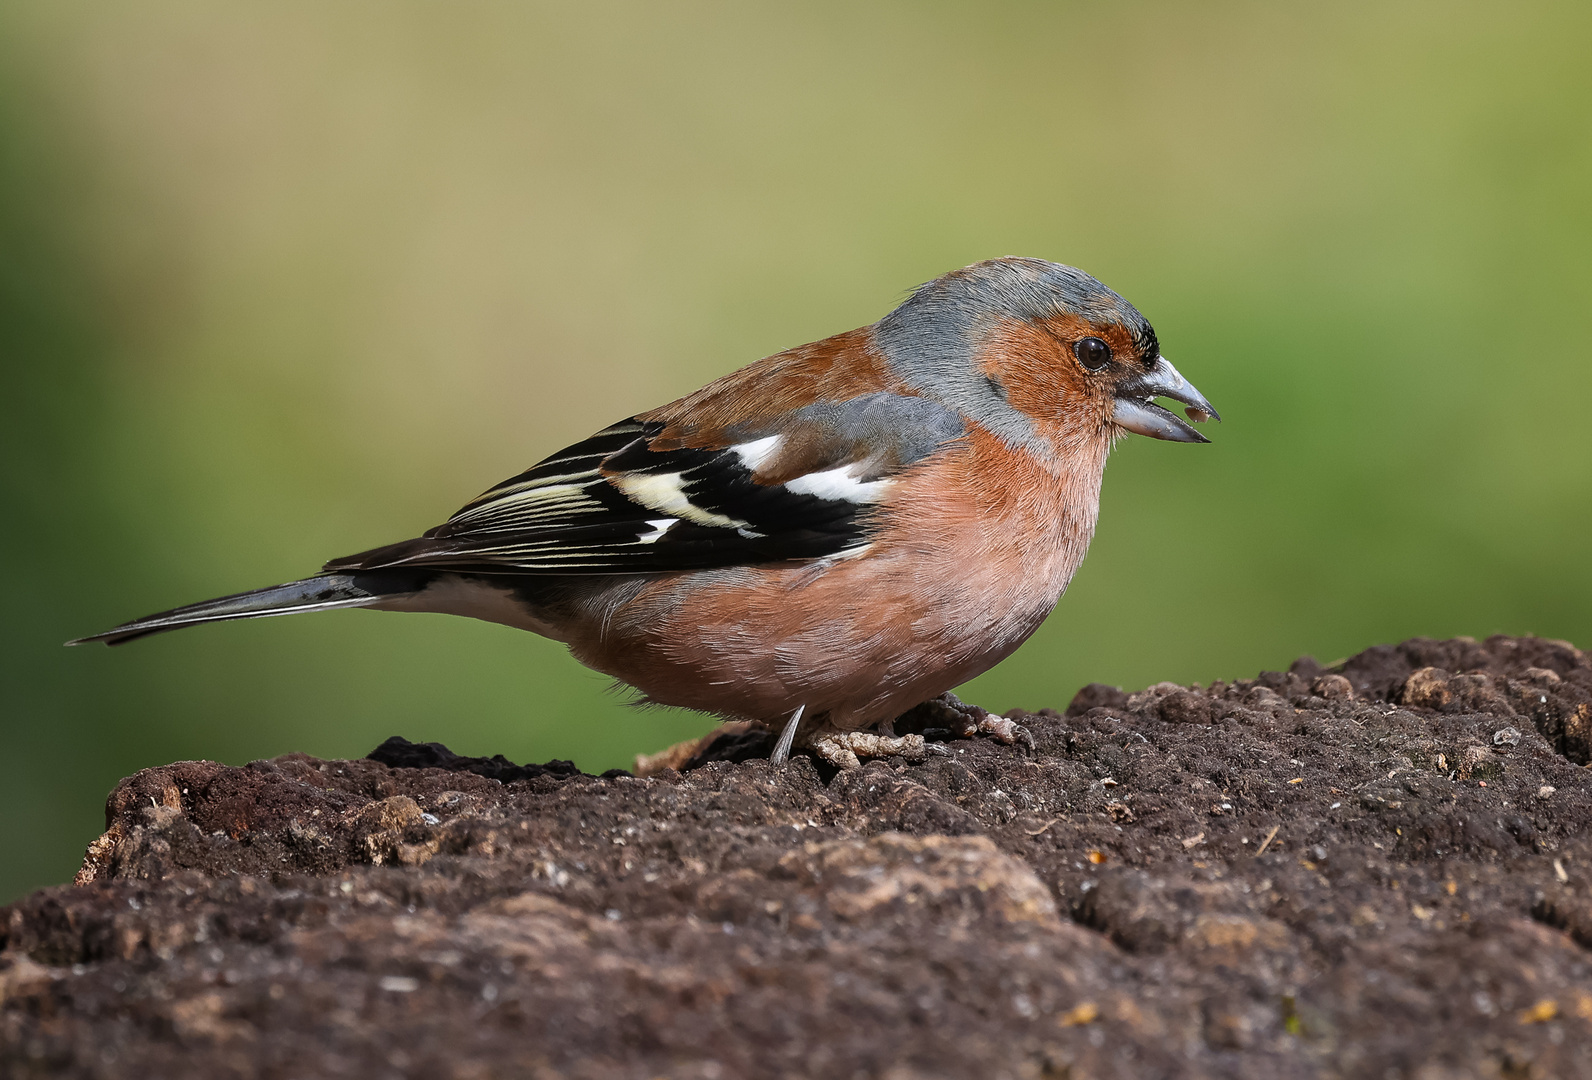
[647, 496]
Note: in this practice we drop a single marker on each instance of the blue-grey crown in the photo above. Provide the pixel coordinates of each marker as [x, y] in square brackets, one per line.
[931, 337]
[973, 297]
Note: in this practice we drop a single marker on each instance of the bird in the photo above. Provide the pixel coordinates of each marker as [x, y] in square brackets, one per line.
[818, 542]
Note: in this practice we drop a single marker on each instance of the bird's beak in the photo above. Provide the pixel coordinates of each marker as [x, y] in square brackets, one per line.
[1137, 411]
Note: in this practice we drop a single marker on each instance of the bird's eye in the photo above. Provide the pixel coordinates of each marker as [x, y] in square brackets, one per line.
[1092, 353]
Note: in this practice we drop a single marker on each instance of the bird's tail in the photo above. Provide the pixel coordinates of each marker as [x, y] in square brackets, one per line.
[324, 592]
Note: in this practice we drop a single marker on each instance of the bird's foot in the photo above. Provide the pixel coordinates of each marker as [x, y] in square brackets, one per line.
[844, 750]
[955, 717]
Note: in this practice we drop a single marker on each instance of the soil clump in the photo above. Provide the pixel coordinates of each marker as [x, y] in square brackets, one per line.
[1378, 869]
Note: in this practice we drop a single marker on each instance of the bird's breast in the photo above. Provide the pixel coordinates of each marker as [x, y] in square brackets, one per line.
[971, 552]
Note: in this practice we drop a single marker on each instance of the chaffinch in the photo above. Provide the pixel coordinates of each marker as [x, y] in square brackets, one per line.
[819, 541]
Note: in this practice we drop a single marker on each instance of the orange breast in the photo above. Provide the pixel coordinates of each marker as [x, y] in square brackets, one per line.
[975, 547]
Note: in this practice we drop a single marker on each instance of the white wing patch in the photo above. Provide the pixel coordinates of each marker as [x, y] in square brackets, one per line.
[839, 484]
[753, 454]
[659, 527]
[665, 492]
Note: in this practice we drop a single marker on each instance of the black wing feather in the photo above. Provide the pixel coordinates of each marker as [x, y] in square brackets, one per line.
[569, 515]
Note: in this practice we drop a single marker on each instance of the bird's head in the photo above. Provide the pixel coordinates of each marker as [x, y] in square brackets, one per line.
[1041, 354]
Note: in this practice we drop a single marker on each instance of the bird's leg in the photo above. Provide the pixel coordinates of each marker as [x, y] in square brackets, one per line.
[949, 713]
[845, 749]
[787, 737]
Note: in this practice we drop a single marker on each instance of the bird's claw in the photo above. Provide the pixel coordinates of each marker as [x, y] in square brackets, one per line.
[845, 750]
[949, 716]
[1005, 730]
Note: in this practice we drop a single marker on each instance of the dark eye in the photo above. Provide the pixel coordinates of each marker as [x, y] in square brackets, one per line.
[1092, 353]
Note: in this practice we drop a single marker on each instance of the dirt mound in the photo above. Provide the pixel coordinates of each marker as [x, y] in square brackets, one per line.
[1381, 869]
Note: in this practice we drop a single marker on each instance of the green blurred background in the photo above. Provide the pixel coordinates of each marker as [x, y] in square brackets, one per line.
[280, 282]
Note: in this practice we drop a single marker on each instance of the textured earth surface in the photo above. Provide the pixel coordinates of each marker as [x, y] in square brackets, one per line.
[1381, 870]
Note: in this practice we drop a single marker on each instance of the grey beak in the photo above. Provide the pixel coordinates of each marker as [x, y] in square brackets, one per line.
[1137, 411]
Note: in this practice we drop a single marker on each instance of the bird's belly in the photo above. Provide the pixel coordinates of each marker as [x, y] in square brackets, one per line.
[861, 641]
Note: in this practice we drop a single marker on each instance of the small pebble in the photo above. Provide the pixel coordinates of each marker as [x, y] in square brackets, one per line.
[1506, 737]
[1333, 687]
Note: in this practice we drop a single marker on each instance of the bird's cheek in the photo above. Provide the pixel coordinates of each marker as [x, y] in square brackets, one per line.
[1067, 414]
[1033, 389]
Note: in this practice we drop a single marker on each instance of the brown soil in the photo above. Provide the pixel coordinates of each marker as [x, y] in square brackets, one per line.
[1378, 871]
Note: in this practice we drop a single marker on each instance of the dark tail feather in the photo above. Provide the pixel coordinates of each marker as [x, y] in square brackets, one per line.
[325, 592]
